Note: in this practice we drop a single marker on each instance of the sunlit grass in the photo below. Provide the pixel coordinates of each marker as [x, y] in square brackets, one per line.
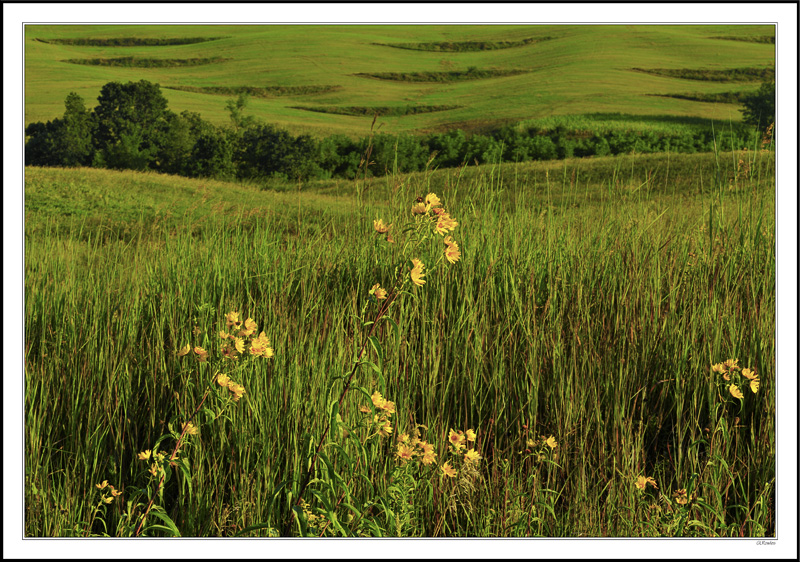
[571, 345]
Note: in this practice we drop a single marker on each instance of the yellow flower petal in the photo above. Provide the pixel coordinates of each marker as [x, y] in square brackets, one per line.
[735, 392]
[184, 350]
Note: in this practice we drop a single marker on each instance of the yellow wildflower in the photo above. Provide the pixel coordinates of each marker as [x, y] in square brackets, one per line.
[232, 319]
[448, 470]
[223, 380]
[250, 327]
[418, 208]
[718, 368]
[404, 452]
[260, 346]
[749, 374]
[755, 384]
[378, 291]
[643, 481]
[403, 438]
[237, 390]
[428, 458]
[102, 484]
[431, 200]
[190, 429]
[416, 273]
[153, 469]
[735, 392]
[377, 399]
[445, 224]
[239, 343]
[115, 492]
[385, 429]
[681, 496]
[381, 227]
[109, 499]
[472, 456]
[202, 354]
[364, 409]
[551, 442]
[732, 364]
[184, 350]
[471, 436]
[145, 455]
[456, 439]
[451, 252]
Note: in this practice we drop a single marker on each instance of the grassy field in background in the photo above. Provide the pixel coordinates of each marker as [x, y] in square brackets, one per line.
[576, 336]
[576, 70]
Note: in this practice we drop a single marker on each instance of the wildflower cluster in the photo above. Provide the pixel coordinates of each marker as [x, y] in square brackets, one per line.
[109, 495]
[241, 334]
[157, 465]
[410, 447]
[430, 219]
[459, 442]
[735, 377]
[382, 419]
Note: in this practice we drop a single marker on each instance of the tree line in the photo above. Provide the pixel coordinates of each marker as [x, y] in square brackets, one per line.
[132, 128]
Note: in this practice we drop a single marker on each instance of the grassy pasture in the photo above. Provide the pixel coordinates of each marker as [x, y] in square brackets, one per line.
[590, 301]
[578, 70]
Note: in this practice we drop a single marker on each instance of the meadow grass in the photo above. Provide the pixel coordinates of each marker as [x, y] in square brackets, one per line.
[575, 336]
[578, 69]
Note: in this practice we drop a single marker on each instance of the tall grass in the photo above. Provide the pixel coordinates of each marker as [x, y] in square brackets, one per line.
[589, 309]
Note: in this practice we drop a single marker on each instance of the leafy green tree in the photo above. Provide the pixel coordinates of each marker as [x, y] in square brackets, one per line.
[76, 136]
[759, 108]
[236, 110]
[131, 121]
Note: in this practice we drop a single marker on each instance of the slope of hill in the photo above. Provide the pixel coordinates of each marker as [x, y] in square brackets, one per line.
[487, 74]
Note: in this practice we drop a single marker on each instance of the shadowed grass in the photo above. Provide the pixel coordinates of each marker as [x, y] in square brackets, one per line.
[266, 92]
[465, 46]
[137, 62]
[748, 74]
[378, 110]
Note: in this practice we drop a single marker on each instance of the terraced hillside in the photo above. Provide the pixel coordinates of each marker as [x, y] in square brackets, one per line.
[486, 74]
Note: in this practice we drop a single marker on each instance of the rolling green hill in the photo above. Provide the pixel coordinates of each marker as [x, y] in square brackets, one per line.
[488, 74]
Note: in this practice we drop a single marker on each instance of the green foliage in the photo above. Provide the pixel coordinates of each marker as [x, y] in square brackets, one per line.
[759, 108]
